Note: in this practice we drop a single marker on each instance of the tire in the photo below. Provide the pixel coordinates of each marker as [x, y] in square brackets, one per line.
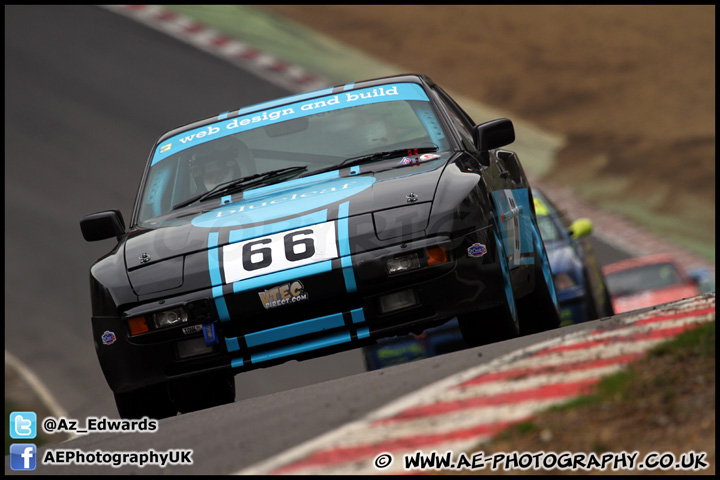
[600, 309]
[609, 310]
[153, 402]
[592, 308]
[498, 323]
[368, 358]
[201, 392]
[593, 313]
[539, 311]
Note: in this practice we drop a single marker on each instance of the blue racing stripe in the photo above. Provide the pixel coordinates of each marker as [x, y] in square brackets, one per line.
[342, 337]
[293, 330]
[232, 344]
[213, 259]
[358, 316]
[220, 304]
[298, 222]
[216, 277]
[282, 276]
[363, 332]
[344, 244]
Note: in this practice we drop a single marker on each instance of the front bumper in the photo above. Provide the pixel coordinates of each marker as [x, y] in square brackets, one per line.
[243, 335]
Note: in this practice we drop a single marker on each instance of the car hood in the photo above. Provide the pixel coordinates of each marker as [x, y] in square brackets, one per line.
[188, 230]
[649, 298]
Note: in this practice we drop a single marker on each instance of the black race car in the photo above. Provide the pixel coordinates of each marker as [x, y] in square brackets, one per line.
[579, 284]
[308, 225]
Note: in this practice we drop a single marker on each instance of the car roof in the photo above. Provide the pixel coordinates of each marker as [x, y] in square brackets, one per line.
[642, 261]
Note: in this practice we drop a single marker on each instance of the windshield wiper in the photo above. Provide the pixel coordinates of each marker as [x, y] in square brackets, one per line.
[242, 182]
[370, 157]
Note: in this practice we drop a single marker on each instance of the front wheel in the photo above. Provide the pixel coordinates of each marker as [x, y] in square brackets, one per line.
[153, 402]
[201, 392]
[495, 324]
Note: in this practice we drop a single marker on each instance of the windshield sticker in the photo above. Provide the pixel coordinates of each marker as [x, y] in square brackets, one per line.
[283, 295]
[418, 160]
[366, 96]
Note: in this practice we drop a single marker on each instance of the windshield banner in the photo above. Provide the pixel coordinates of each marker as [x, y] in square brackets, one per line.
[351, 98]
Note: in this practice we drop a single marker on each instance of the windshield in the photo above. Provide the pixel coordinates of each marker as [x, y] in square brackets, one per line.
[548, 229]
[546, 224]
[317, 133]
[647, 277]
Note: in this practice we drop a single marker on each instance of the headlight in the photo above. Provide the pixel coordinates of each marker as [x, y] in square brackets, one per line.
[398, 301]
[412, 261]
[196, 312]
[170, 318]
[403, 264]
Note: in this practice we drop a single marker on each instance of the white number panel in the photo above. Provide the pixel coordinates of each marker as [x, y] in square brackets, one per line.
[280, 251]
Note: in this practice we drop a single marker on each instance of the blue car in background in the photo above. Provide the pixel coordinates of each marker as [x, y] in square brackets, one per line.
[579, 284]
[579, 281]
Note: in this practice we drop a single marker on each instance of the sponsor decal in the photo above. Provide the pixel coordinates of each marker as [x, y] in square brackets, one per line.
[476, 250]
[284, 200]
[418, 160]
[209, 334]
[108, 337]
[385, 93]
[285, 294]
[191, 329]
[165, 148]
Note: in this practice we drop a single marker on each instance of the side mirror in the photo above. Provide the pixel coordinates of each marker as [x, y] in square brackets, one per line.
[102, 225]
[493, 134]
[581, 228]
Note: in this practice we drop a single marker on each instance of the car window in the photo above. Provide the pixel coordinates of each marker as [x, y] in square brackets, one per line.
[315, 133]
[460, 119]
[547, 224]
[548, 229]
[641, 278]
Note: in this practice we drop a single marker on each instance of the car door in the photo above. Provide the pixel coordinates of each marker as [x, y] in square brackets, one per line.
[505, 179]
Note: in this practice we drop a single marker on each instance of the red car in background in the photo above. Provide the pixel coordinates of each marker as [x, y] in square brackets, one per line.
[646, 281]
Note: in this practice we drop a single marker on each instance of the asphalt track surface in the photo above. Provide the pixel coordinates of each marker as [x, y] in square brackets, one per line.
[87, 93]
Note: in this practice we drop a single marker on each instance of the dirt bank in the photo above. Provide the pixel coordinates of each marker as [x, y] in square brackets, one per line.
[632, 88]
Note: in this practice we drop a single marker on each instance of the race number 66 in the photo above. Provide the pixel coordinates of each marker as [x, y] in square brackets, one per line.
[280, 251]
